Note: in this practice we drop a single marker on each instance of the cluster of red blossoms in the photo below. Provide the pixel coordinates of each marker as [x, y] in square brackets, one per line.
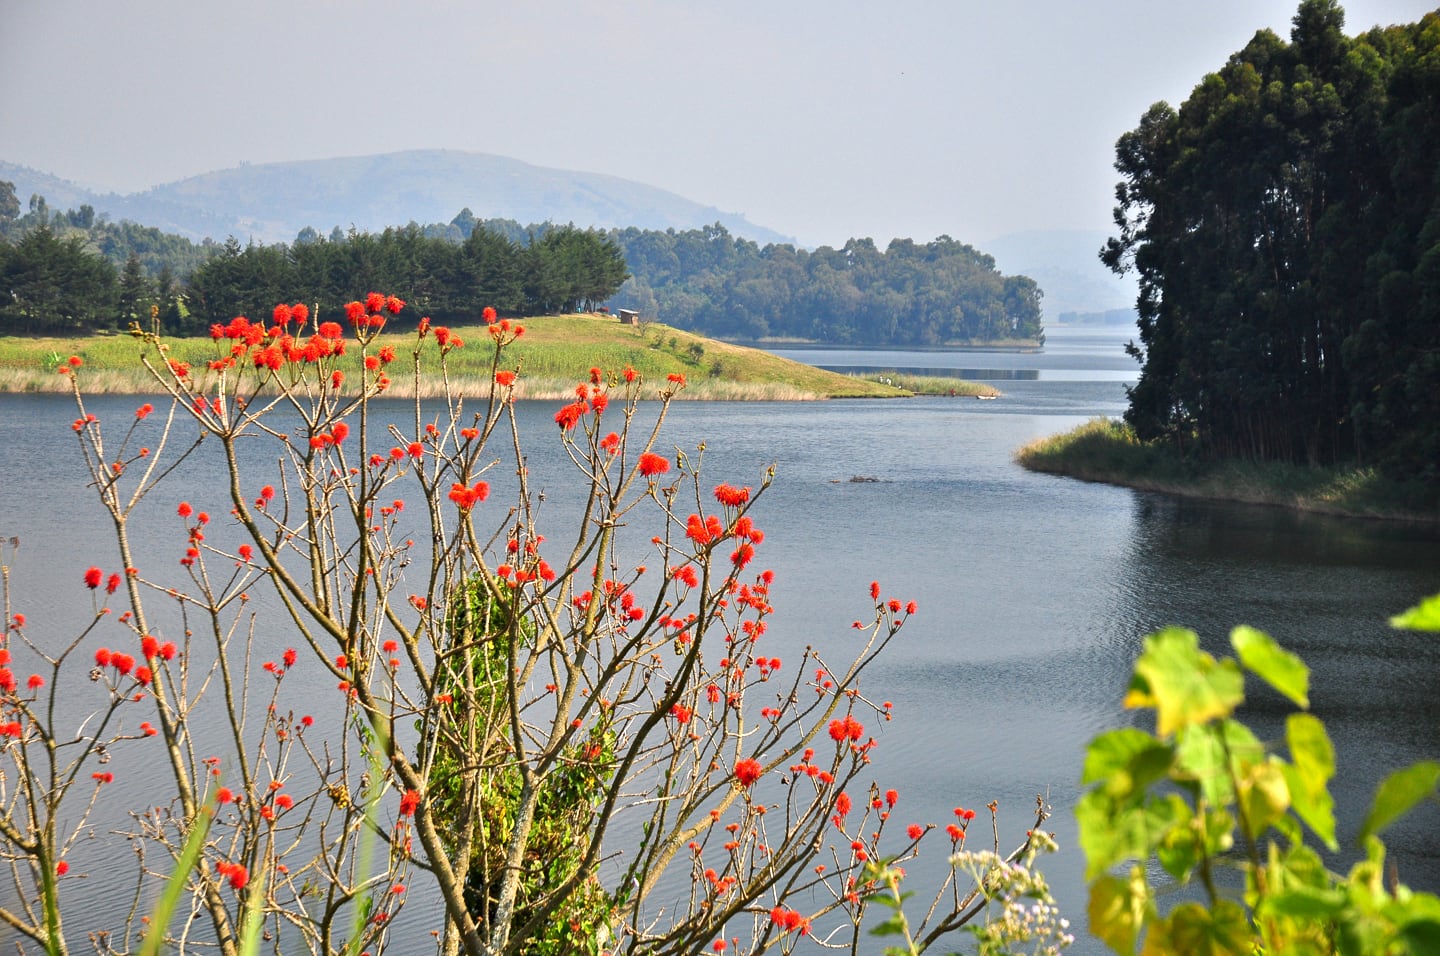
[369, 314]
[787, 920]
[747, 771]
[235, 873]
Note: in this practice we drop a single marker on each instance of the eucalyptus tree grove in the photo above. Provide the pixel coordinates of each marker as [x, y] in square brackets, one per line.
[1284, 223]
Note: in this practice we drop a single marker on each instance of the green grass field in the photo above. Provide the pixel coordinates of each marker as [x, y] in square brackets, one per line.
[554, 354]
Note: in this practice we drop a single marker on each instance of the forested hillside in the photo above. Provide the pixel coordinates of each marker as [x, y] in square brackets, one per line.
[939, 293]
[1284, 223]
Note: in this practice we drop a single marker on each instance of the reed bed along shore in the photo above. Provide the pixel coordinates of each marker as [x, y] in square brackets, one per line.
[1107, 451]
[554, 354]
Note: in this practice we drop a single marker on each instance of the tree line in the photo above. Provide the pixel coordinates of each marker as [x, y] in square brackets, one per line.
[1284, 223]
[911, 294]
[70, 272]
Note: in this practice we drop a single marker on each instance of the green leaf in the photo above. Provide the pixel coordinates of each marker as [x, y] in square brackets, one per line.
[1117, 909]
[1424, 616]
[179, 879]
[1273, 664]
[1190, 928]
[1264, 797]
[1205, 754]
[1398, 794]
[1126, 761]
[1313, 765]
[1184, 684]
[1110, 752]
[1305, 903]
[1111, 834]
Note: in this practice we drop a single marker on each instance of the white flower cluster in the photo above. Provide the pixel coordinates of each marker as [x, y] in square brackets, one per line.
[1027, 921]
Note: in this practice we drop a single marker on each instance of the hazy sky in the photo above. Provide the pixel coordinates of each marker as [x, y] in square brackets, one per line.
[822, 120]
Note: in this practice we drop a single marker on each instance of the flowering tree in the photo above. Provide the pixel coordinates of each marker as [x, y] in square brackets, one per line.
[569, 749]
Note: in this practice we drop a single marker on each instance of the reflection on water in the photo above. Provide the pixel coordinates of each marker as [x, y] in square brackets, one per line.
[1034, 591]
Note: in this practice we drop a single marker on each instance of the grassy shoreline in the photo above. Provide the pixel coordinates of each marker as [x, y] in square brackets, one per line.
[1106, 451]
[555, 353]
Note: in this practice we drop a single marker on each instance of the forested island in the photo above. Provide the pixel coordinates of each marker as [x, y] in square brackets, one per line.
[73, 272]
[1284, 223]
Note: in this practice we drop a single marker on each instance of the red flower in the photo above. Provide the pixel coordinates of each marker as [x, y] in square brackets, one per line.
[234, 872]
[467, 498]
[61, 868]
[747, 771]
[144, 410]
[732, 497]
[842, 803]
[488, 314]
[505, 378]
[35, 682]
[282, 314]
[93, 577]
[892, 797]
[184, 510]
[569, 416]
[848, 728]
[76, 361]
[409, 802]
[392, 305]
[915, 831]
[651, 465]
[224, 796]
[112, 584]
[675, 378]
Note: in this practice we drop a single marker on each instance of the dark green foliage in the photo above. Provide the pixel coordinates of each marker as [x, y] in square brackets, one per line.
[52, 286]
[917, 295]
[1285, 227]
[557, 269]
[560, 901]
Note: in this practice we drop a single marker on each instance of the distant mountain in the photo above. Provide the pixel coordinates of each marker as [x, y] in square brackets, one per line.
[1066, 265]
[271, 202]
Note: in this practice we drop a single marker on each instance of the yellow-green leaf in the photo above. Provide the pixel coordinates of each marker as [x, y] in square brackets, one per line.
[1264, 797]
[1424, 616]
[1117, 909]
[1193, 930]
[1273, 664]
[1183, 683]
[1309, 775]
[1398, 794]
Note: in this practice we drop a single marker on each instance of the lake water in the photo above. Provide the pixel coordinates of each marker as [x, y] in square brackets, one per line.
[1034, 592]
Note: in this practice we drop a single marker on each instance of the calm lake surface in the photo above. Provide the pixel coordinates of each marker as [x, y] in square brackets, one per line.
[1034, 592]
